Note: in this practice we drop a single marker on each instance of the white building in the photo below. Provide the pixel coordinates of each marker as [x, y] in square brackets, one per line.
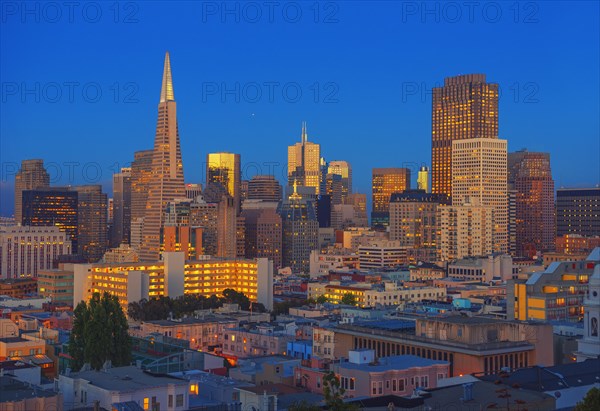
[323, 262]
[483, 269]
[589, 346]
[24, 249]
[395, 294]
[380, 254]
[115, 386]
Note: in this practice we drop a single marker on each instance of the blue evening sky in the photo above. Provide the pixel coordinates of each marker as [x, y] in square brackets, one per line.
[80, 84]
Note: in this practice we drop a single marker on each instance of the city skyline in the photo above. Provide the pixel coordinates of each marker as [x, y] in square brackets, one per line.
[397, 116]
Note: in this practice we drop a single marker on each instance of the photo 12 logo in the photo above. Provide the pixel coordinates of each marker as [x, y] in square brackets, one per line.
[68, 92]
[71, 12]
[526, 92]
[270, 91]
[470, 12]
[251, 12]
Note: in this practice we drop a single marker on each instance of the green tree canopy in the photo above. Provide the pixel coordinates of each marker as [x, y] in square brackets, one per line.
[349, 299]
[334, 394]
[591, 401]
[321, 299]
[100, 333]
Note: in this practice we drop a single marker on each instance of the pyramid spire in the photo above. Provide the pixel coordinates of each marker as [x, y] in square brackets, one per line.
[304, 136]
[166, 91]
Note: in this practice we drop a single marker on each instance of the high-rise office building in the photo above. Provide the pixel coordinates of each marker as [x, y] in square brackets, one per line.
[578, 211]
[25, 250]
[178, 234]
[464, 230]
[166, 183]
[263, 233]
[204, 214]
[31, 176]
[229, 229]
[413, 218]
[465, 107]
[334, 187]
[385, 182]
[121, 222]
[141, 174]
[225, 169]
[344, 170]
[423, 179]
[530, 175]
[192, 190]
[92, 208]
[304, 163]
[300, 232]
[52, 206]
[479, 171]
[264, 187]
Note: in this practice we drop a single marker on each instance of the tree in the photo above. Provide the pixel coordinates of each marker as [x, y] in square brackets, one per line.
[348, 299]
[321, 299]
[334, 394]
[591, 401]
[99, 333]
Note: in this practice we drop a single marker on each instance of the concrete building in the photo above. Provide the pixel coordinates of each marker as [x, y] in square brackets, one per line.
[304, 163]
[92, 230]
[576, 244]
[225, 169]
[465, 230]
[265, 188]
[589, 346]
[24, 250]
[256, 340]
[18, 287]
[322, 262]
[16, 395]
[379, 254]
[364, 375]
[413, 216]
[124, 253]
[141, 173]
[469, 344]
[479, 171]
[426, 272]
[555, 294]
[498, 267]
[116, 388]
[263, 232]
[192, 190]
[121, 227]
[57, 284]
[31, 176]
[344, 170]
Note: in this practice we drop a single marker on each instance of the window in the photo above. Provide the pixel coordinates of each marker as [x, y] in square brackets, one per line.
[179, 400]
[352, 381]
[194, 389]
[374, 387]
[387, 384]
[170, 401]
[380, 387]
[424, 381]
[401, 384]
[394, 385]
[441, 376]
[146, 403]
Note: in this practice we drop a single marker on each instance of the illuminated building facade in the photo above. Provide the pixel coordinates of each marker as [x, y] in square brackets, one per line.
[141, 173]
[225, 169]
[423, 179]
[31, 176]
[57, 284]
[24, 250]
[385, 182]
[166, 182]
[479, 172]
[530, 175]
[465, 107]
[413, 218]
[578, 211]
[344, 170]
[556, 294]
[56, 206]
[192, 191]
[92, 234]
[304, 163]
[174, 276]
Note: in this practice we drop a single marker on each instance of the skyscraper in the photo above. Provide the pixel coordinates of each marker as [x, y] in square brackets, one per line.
[141, 173]
[166, 183]
[121, 227]
[192, 190]
[52, 206]
[531, 176]
[344, 170]
[263, 232]
[31, 176]
[479, 172]
[300, 232]
[304, 163]
[423, 179]
[92, 210]
[264, 187]
[578, 211]
[413, 218]
[225, 168]
[465, 107]
[387, 181]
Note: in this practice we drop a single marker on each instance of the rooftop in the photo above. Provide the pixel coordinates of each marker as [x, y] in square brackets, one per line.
[12, 390]
[124, 379]
[396, 362]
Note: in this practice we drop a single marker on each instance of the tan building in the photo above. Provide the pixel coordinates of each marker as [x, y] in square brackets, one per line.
[265, 188]
[124, 253]
[344, 170]
[413, 218]
[18, 287]
[304, 163]
[166, 182]
[380, 254]
[465, 107]
[263, 233]
[57, 284]
[465, 230]
[31, 176]
[469, 344]
[141, 173]
[479, 171]
[385, 182]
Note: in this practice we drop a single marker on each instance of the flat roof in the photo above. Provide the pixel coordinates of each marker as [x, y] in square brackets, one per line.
[124, 379]
[396, 362]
